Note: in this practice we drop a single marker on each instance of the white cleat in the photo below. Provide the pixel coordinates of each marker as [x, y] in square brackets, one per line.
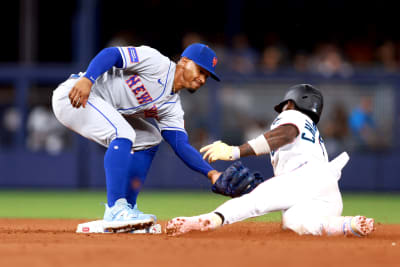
[181, 225]
[361, 226]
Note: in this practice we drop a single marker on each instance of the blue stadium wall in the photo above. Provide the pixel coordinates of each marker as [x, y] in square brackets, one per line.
[22, 169]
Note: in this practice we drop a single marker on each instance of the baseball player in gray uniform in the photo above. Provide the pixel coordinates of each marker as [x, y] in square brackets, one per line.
[109, 104]
[305, 185]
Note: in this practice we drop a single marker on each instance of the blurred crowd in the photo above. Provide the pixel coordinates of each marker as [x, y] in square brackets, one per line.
[327, 58]
[342, 129]
[43, 131]
[355, 129]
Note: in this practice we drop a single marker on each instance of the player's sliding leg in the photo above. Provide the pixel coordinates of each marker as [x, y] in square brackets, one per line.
[333, 226]
[272, 195]
[316, 217]
[282, 193]
[139, 167]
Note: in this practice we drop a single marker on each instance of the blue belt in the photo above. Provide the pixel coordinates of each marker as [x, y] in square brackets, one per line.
[74, 76]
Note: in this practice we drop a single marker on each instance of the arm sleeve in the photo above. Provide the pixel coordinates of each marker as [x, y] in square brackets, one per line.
[143, 59]
[292, 117]
[191, 157]
[103, 61]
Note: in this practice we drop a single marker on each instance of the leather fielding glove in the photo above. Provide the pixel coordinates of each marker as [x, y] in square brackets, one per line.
[237, 180]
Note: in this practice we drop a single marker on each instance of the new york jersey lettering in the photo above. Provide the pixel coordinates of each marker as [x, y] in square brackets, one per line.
[142, 95]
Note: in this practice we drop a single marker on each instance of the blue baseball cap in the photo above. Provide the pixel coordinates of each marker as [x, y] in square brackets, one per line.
[203, 56]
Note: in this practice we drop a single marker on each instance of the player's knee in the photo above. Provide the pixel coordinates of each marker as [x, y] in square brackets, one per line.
[306, 226]
[57, 105]
[130, 135]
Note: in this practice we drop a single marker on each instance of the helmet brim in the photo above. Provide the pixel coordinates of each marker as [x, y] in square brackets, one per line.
[278, 108]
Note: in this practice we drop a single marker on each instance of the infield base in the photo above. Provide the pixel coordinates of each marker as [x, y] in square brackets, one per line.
[97, 227]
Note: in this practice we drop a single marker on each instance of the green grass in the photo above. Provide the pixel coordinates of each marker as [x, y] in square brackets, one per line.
[385, 208]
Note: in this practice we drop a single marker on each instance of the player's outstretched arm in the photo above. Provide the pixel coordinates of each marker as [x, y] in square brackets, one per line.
[189, 155]
[261, 145]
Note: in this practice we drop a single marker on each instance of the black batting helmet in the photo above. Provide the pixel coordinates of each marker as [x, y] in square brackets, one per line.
[307, 99]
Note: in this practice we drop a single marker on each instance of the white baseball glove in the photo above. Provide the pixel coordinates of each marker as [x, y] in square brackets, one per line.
[220, 151]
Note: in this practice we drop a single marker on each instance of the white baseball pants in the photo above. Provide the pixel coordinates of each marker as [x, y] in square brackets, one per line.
[308, 197]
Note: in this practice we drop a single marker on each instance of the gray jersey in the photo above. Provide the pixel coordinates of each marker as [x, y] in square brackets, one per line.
[143, 87]
[121, 98]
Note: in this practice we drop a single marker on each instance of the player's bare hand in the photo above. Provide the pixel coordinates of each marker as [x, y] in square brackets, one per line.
[220, 151]
[213, 175]
[79, 94]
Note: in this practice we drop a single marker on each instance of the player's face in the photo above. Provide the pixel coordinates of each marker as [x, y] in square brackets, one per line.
[193, 75]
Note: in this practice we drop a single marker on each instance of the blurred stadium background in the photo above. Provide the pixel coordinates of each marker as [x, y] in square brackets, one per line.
[263, 48]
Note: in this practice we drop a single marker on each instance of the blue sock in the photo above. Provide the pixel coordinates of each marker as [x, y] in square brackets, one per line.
[140, 165]
[116, 166]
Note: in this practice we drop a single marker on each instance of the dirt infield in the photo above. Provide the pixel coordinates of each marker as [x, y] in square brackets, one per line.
[36, 242]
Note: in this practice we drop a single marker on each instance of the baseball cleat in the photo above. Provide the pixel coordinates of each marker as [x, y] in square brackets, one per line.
[122, 218]
[137, 211]
[361, 226]
[182, 225]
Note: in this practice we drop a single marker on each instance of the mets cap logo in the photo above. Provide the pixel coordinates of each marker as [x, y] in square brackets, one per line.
[214, 62]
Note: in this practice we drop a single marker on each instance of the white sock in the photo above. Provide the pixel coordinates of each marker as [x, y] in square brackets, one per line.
[340, 225]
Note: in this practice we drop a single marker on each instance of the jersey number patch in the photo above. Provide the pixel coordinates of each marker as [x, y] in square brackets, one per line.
[312, 128]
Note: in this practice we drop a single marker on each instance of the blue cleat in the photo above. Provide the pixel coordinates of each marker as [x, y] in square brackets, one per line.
[122, 218]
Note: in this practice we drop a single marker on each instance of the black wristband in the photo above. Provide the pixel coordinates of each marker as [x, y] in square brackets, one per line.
[221, 216]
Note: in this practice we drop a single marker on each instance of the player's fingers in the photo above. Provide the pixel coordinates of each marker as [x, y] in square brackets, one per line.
[208, 153]
[72, 96]
[213, 158]
[207, 147]
[84, 101]
[77, 101]
[71, 92]
[204, 148]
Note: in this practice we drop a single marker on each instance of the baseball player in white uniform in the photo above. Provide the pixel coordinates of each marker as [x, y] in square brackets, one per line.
[305, 185]
[110, 104]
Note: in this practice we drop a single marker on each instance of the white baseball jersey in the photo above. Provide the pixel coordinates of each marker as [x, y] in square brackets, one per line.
[305, 185]
[307, 147]
[143, 87]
